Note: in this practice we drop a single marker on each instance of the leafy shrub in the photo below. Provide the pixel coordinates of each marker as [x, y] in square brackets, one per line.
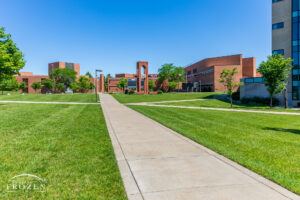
[298, 104]
[126, 91]
[131, 92]
[236, 96]
[160, 92]
[260, 100]
[110, 93]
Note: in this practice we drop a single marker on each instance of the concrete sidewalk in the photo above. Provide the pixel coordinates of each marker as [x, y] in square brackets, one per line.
[157, 163]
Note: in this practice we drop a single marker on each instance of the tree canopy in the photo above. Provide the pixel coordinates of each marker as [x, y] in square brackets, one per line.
[9, 84]
[64, 75]
[122, 84]
[172, 74]
[275, 71]
[227, 78]
[11, 58]
[89, 74]
[36, 86]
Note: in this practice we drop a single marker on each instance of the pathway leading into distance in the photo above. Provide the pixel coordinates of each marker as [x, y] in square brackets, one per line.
[155, 104]
[45, 102]
[157, 163]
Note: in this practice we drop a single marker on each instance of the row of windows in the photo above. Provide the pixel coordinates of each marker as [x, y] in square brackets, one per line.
[279, 51]
[254, 80]
[278, 25]
[207, 72]
[274, 1]
[203, 73]
[296, 48]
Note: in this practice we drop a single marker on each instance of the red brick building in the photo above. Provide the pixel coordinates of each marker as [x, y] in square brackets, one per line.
[205, 74]
[138, 82]
[29, 77]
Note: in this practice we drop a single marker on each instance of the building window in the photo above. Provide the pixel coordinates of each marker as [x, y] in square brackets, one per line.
[189, 73]
[278, 26]
[295, 49]
[279, 51]
[275, 1]
[194, 71]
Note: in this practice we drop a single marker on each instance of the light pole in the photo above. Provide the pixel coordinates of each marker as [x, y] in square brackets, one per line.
[52, 78]
[97, 70]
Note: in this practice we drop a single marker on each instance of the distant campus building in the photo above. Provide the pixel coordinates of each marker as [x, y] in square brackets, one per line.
[201, 76]
[205, 74]
[29, 77]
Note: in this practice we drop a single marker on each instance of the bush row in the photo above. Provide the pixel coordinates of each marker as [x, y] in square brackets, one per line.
[260, 100]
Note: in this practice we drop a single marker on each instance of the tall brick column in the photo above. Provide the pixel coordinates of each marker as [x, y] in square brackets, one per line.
[139, 66]
[101, 88]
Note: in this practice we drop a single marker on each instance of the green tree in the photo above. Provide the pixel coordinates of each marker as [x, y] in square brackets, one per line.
[74, 86]
[151, 85]
[172, 74]
[275, 71]
[92, 86]
[9, 84]
[61, 87]
[48, 84]
[165, 72]
[89, 74]
[172, 85]
[23, 86]
[84, 84]
[65, 76]
[122, 84]
[227, 78]
[11, 58]
[36, 86]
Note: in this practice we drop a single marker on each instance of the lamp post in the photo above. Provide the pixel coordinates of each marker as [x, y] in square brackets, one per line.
[97, 70]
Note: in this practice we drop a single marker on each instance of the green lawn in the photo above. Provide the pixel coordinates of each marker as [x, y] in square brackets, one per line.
[67, 145]
[265, 143]
[215, 103]
[162, 97]
[78, 97]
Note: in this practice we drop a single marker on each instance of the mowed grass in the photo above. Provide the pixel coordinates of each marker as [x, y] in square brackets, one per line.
[123, 98]
[265, 143]
[216, 103]
[77, 97]
[67, 145]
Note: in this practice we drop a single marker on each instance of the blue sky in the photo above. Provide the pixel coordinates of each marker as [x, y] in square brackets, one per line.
[113, 34]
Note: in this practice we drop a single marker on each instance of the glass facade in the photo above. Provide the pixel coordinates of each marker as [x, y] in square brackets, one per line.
[296, 48]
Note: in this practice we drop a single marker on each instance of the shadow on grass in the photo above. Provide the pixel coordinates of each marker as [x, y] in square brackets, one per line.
[294, 131]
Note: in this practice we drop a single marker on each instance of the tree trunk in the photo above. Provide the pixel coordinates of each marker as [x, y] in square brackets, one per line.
[231, 101]
[271, 101]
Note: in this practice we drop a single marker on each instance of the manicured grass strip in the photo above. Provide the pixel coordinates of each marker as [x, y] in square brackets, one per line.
[215, 103]
[265, 143]
[122, 98]
[68, 145]
[78, 97]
